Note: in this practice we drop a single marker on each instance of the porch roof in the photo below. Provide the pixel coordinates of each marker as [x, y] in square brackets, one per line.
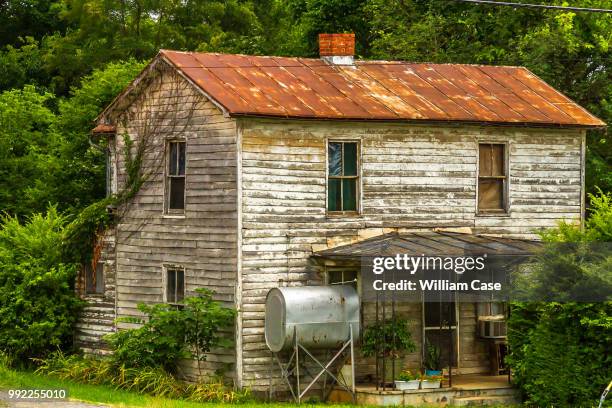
[432, 243]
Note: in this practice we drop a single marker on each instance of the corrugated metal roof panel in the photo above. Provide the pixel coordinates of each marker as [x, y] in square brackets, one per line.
[378, 90]
[432, 243]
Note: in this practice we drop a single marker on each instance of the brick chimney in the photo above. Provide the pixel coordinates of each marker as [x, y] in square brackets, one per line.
[337, 48]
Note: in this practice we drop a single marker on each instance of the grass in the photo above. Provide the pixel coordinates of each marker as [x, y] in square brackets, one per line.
[13, 379]
[107, 395]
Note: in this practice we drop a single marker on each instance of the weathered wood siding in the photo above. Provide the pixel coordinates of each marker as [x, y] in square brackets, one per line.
[204, 240]
[98, 316]
[413, 177]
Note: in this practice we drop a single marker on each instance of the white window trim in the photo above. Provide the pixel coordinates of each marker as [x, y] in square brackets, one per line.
[164, 288]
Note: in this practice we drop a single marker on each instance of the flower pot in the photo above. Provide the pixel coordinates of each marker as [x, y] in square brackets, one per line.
[433, 372]
[428, 384]
[407, 385]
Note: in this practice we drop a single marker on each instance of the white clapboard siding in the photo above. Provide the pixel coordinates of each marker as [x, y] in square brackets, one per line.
[413, 177]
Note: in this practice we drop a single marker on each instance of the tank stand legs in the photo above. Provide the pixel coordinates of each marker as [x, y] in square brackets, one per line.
[292, 367]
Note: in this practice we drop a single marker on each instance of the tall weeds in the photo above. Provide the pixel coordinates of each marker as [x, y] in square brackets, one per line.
[151, 381]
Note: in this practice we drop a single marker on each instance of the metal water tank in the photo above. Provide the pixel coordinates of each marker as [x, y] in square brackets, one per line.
[321, 316]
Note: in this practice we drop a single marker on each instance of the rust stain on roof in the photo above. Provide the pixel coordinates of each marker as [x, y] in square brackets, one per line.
[378, 90]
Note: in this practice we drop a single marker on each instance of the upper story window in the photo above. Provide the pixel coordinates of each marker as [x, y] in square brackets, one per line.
[343, 177]
[175, 284]
[492, 178]
[175, 177]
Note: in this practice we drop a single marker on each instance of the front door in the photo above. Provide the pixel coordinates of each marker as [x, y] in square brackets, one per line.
[440, 328]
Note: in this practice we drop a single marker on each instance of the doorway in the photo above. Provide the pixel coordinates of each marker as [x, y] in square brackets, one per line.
[440, 330]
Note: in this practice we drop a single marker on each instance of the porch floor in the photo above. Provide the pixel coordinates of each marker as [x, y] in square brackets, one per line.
[467, 390]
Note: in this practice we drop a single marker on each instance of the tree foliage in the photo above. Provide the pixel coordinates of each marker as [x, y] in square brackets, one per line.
[38, 306]
[74, 51]
[561, 351]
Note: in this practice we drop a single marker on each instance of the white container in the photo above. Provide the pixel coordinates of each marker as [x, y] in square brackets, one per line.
[407, 385]
[427, 384]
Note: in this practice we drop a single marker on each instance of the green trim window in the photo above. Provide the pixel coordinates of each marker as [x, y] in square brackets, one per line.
[175, 179]
[342, 177]
[492, 178]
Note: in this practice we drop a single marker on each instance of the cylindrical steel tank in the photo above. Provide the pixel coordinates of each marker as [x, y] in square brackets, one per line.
[321, 316]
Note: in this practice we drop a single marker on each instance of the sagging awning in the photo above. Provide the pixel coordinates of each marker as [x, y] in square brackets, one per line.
[432, 243]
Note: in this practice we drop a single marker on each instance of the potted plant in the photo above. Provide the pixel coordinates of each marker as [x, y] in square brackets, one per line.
[389, 339]
[431, 381]
[433, 365]
[407, 381]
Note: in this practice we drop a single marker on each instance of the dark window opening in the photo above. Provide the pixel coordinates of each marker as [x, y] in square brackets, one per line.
[176, 177]
[343, 177]
[94, 279]
[342, 277]
[492, 178]
[440, 314]
[175, 285]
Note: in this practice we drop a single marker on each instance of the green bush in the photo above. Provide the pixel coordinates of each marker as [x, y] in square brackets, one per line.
[158, 342]
[560, 352]
[390, 338]
[38, 305]
[170, 333]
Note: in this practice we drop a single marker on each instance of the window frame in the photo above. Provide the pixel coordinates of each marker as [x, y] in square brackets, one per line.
[342, 270]
[165, 270]
[174, 212]
[357, 177]
[505, 211]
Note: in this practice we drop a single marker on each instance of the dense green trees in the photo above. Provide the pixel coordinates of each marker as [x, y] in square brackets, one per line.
[561, 349]
[38, 306]
[53, 44]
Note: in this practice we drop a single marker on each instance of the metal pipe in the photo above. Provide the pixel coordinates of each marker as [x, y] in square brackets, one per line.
[297, 363]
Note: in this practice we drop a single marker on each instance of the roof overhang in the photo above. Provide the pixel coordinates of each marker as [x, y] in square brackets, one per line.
[431, 243]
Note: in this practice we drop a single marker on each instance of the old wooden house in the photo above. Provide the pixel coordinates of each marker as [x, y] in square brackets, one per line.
[261, 169]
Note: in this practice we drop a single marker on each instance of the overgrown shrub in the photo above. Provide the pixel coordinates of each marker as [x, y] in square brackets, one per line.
[158, 342]
[145, 380]
[38, 306]
[170, 333]
[560, 352]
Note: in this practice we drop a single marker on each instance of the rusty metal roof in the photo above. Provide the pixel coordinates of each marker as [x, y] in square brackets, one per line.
[102, 128]
[432, 243]
[378, 90]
